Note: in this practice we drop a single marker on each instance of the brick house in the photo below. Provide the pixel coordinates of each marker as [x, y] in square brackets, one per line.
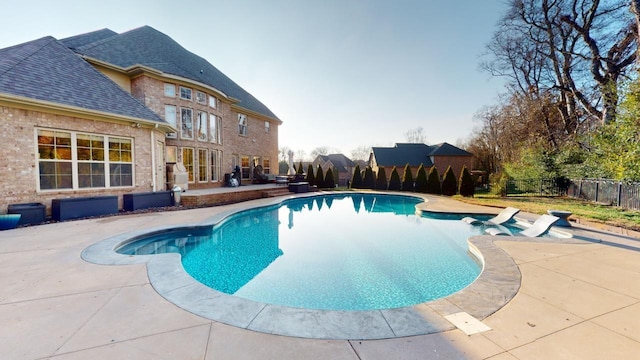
[441, 156]
[343, 164]
[106, 114]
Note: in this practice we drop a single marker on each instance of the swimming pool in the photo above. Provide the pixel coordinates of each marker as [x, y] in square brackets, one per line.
[329, 252]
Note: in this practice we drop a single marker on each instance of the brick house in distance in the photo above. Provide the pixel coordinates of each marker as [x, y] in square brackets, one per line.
[107, 114]
[441, 156]
[343, 164]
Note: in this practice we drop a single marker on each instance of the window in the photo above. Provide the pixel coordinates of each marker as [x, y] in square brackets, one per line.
[213, 101]
[266, 166]
[186, 124]
[170, 117]
[202, 126]
[242, 124]
[203, 165]
[201, 98]
[244, 167]
[214, 162]
[187, 161]
[267, 126]
[215, 127]
[185, 93]
[172, 154]
[169, 90]
[69, 160]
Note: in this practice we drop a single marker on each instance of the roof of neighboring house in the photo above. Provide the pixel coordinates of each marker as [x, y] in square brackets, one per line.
[46, 70]
[77, 41]
[149, 47]
[414, 154]
[340, 161]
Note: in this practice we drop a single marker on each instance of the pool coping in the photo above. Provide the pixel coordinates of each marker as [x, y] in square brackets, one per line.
[497, 284]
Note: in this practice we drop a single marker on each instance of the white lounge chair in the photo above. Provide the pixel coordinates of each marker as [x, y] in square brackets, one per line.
[505, 215]
[539, 227]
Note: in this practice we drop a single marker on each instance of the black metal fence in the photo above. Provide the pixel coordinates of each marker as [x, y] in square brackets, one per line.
[602, 191]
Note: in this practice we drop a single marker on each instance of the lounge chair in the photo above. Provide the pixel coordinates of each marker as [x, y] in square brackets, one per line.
[505, 215]
[539, 227]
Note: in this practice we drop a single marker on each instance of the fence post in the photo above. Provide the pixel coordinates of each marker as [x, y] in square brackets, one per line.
[597, 189]
[619, 195]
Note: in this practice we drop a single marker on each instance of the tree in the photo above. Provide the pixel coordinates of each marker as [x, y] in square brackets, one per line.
[407, 179]
[433, 182]
[362, 152]
[283, 167]
[415, 136]
[394, 181]
[310, 178]
[329, 181]
[467, 186]
[421, 180]
[356, 179]
[320, 177]
[369, 180]
[381, 180]
[449, 183]
[299, 169]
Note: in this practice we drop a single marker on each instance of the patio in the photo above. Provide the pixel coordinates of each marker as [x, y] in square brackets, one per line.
[575, 301]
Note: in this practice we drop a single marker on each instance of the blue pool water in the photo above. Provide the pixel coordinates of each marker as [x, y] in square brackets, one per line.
[332, 252]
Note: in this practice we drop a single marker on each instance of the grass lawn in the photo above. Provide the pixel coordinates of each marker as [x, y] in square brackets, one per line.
[605, 214]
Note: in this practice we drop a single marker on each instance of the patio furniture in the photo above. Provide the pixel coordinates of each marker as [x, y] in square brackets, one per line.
[504, 216]
[563, 217]
[539, 227]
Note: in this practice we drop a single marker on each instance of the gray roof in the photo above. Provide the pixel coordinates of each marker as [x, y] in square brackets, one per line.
[149, 47]
[47, 70]
[340, 161]
[77, 41]
[414, 154]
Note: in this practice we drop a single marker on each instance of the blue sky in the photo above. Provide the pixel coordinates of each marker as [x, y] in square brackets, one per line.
[338, 73]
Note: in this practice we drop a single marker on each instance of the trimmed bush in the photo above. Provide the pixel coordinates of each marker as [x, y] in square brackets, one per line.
[381, 180]
[329, 181]
[433, 182]
[407, 179]
[449, 183]
[310, 178]
[356, 180]
[421, 180]
[320, 177]
[299, 170]
[394, 182]
[336, 176]
[467, 186]
[369, 180]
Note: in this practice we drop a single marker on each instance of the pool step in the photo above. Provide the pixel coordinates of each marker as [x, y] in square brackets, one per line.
[279, 191]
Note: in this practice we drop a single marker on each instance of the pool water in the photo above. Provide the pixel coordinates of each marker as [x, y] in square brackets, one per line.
[332, 252]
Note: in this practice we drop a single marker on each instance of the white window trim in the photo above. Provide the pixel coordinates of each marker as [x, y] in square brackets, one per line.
[199, 131]
[182, 135]
[172, 135]
[190, 98]
[201, 94]
[213, 102]
[206, 165]
[243, 125]
[170, 86]
[193, 162]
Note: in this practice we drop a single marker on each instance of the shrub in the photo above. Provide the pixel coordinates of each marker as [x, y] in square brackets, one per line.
[356, 180]
[449, 183]
[467, 186]
[433, 182]
[329, 181]
[394, 181]
[299, 170]
[320, 177]
[421, 180]
[369, 180]
[407, 179]
[381, 180]
[310, 178]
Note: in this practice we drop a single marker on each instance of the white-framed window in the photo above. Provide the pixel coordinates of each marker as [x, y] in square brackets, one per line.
[201, 98]
[186, 123]
[214, 164]
[266, 166]
[245, 167]
[203, 165]
[187, 161]
[169, 90]
[72, 160]
[242, 124]
[185, 93]
[201, 129]
[213, 102]
[172, 154]
[267, 126]
[170, 117]
[215, 129]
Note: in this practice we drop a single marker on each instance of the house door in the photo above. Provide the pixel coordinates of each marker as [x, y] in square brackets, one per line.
[160, 167]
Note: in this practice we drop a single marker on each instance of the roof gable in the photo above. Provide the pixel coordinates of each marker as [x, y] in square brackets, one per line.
[402, 154]
[340, 161]
[46, 70]
[77, 41]
[446, 149]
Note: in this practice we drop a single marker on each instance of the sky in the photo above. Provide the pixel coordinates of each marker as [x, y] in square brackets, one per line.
[340, 74]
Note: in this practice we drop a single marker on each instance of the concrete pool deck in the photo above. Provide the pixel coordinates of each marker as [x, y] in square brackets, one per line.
[575, 301]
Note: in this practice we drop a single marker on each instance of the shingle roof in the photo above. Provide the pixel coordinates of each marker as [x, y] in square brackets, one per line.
[77, 41]
[46, 70]
[446, 149]
[414, 154]
[340, 161]
[149, 47]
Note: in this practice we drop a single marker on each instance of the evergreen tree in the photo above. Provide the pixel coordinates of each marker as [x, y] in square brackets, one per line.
[433, 182]
[394, 182]
[449, 183]
[329, 181]
[299, 170]
[310, 178]
[381, 180]
[407, 179]
[467, 186]
[369, 180]
[421, 180]
[356, 180]
[320, 177]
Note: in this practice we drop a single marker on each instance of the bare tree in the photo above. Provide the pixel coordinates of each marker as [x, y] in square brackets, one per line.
[415, 135]
[362, 152]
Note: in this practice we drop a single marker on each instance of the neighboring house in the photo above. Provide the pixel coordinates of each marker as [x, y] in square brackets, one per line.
[441, 156]
[343, 164]
[105, 114]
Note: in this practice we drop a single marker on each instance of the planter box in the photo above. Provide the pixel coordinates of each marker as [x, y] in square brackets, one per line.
[31, 213]
[75, 208]
[146, 200]
[299, 187]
